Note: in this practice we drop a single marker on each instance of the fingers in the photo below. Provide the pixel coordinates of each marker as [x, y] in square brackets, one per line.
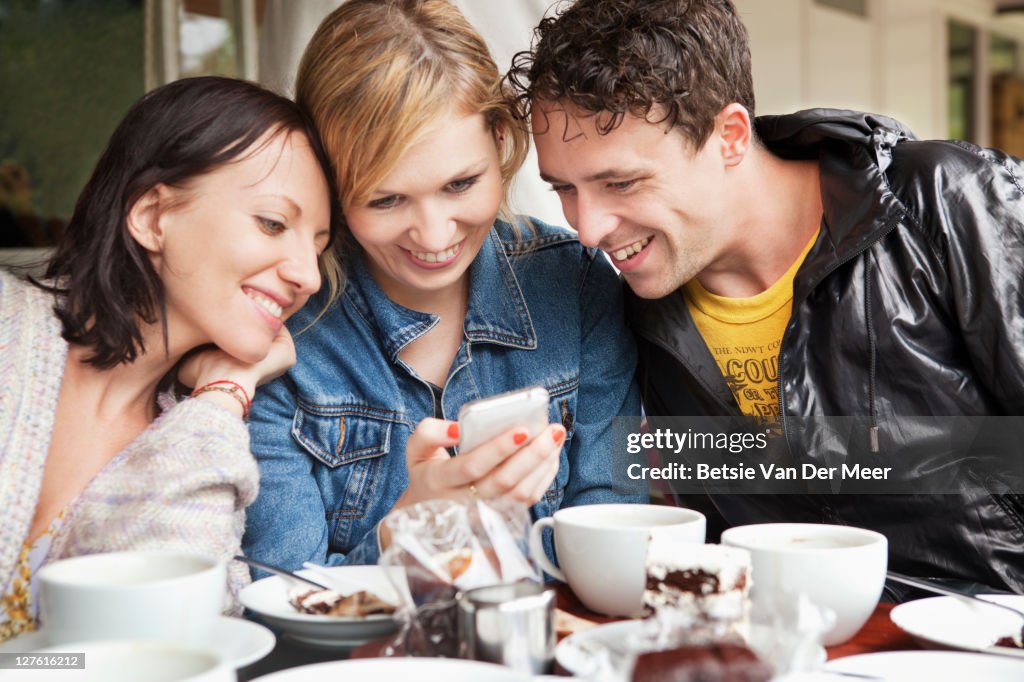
[504, 467]
[429, 436]
[532, 488]
[477, 464]
[543, 478]
[210, 363]
[279, 358]
[530, 469]
[429, 467]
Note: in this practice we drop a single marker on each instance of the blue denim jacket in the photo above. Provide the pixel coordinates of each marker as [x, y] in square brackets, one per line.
[330, 435]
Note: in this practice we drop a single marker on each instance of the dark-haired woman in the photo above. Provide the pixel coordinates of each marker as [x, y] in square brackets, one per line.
[128, 370]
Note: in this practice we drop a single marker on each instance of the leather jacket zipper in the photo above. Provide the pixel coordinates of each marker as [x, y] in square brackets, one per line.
[814, 283]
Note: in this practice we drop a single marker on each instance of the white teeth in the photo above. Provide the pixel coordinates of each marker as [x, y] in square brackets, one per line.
[631, 250]
[439, 257]
[271, 306]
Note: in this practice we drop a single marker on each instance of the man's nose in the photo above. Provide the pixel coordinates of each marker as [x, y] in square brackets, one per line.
[592, 219]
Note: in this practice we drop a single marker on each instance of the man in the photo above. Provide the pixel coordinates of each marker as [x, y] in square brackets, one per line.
[822, 263]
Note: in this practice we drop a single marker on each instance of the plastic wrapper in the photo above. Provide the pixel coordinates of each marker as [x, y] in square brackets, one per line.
[787, 630]
[784, 633]
[447, 547]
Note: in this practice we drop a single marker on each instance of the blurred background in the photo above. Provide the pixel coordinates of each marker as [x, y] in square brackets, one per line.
[69, 70]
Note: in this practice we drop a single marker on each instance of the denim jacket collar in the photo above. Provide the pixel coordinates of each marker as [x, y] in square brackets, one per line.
[497, 311]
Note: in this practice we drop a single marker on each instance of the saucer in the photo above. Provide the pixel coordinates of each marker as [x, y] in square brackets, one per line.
[934, 666]
[268, 599]
[400, 670]
[238, 642]
[952, 623]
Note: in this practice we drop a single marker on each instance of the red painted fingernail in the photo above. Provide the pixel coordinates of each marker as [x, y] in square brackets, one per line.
[519, 438]
[453, 430]
[559, 437]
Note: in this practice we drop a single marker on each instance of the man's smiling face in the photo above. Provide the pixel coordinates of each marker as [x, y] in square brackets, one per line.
[640, 193]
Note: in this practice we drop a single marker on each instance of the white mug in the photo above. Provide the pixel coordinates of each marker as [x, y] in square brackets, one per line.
[840, 568]
[131, 595]
[602, 549]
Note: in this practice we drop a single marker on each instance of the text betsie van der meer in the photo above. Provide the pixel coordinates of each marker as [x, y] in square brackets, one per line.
[671, 441]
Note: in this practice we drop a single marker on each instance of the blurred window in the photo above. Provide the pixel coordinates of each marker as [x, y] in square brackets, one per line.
[856, 7]
[1002, 55]
[962, 42]
[69, 69]
[1007, 91]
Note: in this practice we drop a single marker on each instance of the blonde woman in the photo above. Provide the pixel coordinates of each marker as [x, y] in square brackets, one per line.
[445, 303]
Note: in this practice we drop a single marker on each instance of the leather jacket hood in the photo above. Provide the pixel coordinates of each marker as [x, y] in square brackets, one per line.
[910, 303]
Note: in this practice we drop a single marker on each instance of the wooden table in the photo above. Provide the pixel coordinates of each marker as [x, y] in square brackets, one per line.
[878, 634]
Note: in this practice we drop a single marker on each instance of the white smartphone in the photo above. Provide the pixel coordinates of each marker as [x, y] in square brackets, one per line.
[482, 420]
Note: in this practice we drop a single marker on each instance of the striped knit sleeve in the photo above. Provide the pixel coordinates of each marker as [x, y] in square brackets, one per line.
[181, 485]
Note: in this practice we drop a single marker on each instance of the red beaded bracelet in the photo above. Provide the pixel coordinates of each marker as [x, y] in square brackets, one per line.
[233, 389]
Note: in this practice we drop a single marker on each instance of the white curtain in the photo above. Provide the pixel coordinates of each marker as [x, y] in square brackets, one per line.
[506, 25]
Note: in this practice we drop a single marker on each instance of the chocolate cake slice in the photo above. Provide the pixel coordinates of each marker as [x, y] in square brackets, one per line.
[725, 662]
[708, 580]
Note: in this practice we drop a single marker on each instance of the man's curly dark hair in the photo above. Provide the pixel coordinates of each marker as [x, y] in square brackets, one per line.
[673, 61]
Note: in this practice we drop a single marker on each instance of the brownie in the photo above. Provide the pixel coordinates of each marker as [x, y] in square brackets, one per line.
[710, 581]
[724, 662]
[1008, 642]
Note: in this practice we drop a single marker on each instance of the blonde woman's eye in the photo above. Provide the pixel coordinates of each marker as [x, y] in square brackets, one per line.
[270, 226]
[561, 189]
[462, 184]
[385, 202]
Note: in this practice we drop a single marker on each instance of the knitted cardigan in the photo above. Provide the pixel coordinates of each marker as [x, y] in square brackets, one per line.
[182, 484]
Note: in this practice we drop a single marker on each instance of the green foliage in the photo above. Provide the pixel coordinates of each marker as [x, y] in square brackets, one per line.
[69, 70]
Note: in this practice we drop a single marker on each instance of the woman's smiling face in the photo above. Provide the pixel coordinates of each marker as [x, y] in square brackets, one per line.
[236, 248]
[426, 221]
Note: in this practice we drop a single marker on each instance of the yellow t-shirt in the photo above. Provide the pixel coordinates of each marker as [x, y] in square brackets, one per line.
[744, 335]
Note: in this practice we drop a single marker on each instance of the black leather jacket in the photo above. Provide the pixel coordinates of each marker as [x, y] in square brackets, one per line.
[910, 303]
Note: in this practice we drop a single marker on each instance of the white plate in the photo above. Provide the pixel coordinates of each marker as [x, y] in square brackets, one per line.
[241, 642]
[580, 653]
[238, 642]
[933, 666]
[399, 670]
[951, 623]
[268, 598]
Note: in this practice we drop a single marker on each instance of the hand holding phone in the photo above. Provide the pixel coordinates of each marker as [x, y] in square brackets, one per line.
[481, 420]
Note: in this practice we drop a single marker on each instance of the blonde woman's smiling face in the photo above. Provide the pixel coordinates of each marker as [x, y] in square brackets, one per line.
[426, 221]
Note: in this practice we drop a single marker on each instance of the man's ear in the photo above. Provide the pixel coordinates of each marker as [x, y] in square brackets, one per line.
[735, 132]
[144, 222]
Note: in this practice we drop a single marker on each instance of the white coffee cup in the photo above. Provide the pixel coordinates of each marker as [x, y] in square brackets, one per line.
[131, 595]
[840, 568]
[602, 549]
[130, 661]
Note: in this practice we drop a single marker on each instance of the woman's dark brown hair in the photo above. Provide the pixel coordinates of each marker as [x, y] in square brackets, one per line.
[104, 281]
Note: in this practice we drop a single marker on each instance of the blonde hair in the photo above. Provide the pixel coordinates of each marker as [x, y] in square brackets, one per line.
[376, 76]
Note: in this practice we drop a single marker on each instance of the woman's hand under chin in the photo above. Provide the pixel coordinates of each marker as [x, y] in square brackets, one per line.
[213, 364]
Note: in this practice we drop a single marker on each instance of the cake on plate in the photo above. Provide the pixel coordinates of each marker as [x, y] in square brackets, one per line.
[708, 581]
